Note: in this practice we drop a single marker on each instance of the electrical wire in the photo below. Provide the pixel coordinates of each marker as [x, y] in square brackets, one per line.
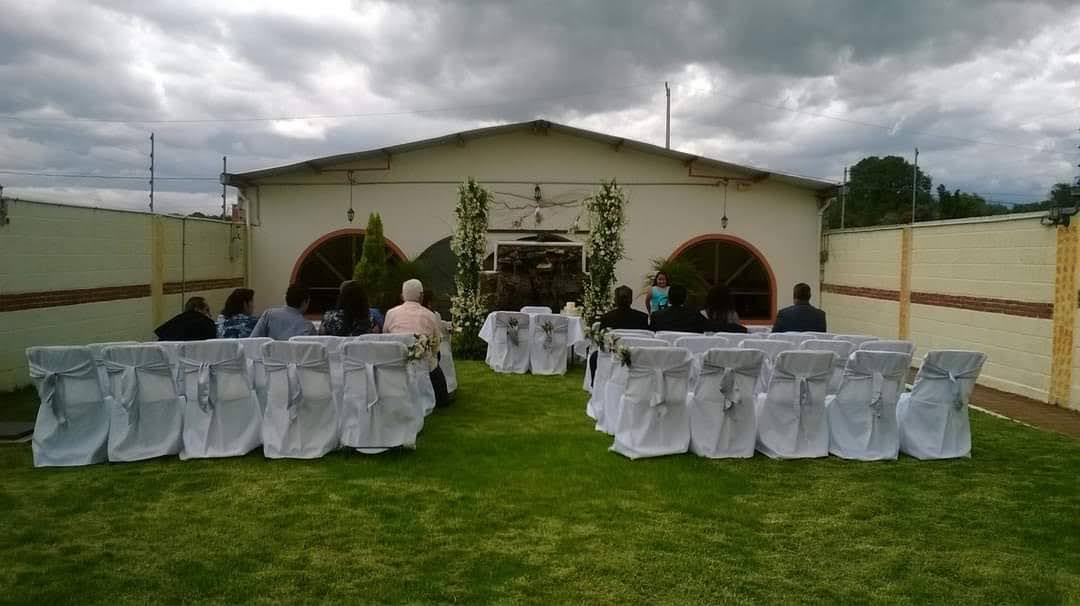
[27, 173]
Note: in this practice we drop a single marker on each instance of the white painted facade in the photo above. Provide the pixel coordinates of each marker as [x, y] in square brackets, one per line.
[414, 188]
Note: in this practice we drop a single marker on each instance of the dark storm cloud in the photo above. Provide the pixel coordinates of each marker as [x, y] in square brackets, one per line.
[751, 81]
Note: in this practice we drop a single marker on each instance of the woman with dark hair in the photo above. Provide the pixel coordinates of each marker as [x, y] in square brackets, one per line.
[352, 317]
[657, 298]
[237, 318]
[720, 313]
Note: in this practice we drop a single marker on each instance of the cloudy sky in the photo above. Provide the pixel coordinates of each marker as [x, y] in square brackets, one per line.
[988, 90]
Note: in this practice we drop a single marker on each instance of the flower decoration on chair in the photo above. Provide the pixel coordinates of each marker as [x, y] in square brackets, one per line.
[549, 333]
[622, 354]
[610, 343]
[422, 348]
[596, 336]
[469, 243]
[512, 330]
[604, 248]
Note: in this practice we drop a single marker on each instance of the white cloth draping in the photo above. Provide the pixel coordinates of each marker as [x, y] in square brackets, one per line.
[886, 345]
[673, 335]
[616, 382]
[419, 370]
[383, 407]
[252, 347]
[862, 416]
[98, 351]
[791, 414]
[933, 418]
[333, 354]
[842, 350]
[508, 336]
[536, 309]
[549, 343]
[856, 340]
[146, 410]
[222, 415]
[654, 420]
[595, 406]
[722, 417]
[72, 426]
[446, 357]
[301, 419]
[772, 349]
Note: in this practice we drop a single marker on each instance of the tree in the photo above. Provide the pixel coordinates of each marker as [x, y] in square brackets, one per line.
[604, 248]
[879, 193]
[469, 243]
[371, 270]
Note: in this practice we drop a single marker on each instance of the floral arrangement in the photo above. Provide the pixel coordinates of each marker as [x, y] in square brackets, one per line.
[604, 248]
[596, 336]
[512, 330]
[423, 347]
[549, 333]
[622, 354]
[469, 243]
[610, 343]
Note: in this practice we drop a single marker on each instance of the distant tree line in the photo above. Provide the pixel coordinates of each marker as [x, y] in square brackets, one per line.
[879, 193]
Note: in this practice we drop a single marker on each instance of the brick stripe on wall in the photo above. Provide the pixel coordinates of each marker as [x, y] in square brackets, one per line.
[174, 288]
[60, 298]
[1009, 307]
[859, 291]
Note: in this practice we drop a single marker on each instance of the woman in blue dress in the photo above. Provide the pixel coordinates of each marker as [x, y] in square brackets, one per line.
[237, 319]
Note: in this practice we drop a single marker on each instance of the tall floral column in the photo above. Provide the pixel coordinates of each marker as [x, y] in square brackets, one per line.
[604, 248]
[469, 243]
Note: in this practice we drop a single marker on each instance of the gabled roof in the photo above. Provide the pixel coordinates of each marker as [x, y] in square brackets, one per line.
[750, 172]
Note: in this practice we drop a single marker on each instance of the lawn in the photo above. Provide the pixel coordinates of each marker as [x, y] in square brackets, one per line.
[512, 497]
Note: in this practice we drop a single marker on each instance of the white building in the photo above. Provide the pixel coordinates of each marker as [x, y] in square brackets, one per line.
[539, 172]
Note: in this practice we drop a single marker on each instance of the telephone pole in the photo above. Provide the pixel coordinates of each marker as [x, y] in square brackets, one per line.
[843, 199]
[151, 172]
[224, 169]
[914, 184]
[667, 121]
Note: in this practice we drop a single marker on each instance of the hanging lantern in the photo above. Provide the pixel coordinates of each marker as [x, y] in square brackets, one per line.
[350, 215]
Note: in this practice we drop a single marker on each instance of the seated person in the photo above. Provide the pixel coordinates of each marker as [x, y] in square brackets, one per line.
[412, 318]
[623, 316]
[720, 313]
[237, 319]
[283, 323]
[677, 317]
[802, 316]
[193, 324]
[351, 318]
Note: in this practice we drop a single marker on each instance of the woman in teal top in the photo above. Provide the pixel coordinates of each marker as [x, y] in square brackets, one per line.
[658, 294]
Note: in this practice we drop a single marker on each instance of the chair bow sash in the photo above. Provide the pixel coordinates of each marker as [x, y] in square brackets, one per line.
[660, 377]
[207, 376]
[370, 374]
[549, 335]
[933, 371]
[49, 385]
[296, 389]
[129, 383]
[728, 386]
[802, 383]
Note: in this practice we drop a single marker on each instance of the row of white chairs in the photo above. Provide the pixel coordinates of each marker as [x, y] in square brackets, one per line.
[225, 397]
[519, 343]
[671, 400]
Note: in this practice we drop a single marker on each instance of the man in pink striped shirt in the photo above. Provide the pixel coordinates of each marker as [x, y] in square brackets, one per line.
[414, 319]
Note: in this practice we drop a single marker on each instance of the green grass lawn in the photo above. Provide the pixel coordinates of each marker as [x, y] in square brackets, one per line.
[512, 497]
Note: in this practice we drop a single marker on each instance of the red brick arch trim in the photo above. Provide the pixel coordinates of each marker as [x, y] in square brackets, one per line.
[351, 231]
[750, 248]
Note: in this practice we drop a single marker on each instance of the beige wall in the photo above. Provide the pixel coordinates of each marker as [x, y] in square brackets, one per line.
[51, 247]
[986, 260]
[780, 220]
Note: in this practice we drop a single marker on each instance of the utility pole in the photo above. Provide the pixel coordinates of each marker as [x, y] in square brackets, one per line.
[914, 184]
[843, 199]
[151, 172]
[224, 169]
[667, 121]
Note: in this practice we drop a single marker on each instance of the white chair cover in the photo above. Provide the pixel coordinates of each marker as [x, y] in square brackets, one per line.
[222, 415]
[172, 353]
[791, 416]
[301, 419]
[862, 416]
[616, 381]
[795, 338]
[252, 347]
[933, 418]
[698, 345]
[654, 420]
[383, 408]
[72, 426]
[536, 309]
[333, 347]
[722, 417]
[733, 337]
[842, 349]
[586, 348]
[446, 357]
[759, 330]
[594, 408]
[508, 349]
[547, 354]
[98, 351]
[906, 347]
[146, 410]
[634, 332]
[419, 371]
[856, 340]
[772, 349]
[674, 335]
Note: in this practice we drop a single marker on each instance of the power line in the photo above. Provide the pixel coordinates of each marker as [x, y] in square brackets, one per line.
[27, 173]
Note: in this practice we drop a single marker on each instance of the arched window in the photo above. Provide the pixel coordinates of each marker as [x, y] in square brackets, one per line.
[329, 261]
[724, 259]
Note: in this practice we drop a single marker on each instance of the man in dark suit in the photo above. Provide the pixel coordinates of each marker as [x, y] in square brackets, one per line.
[802, 316]
[677, 317]
[623, 316]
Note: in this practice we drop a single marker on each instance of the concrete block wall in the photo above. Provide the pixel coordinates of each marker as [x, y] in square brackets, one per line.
[72, 275]
[986, 284]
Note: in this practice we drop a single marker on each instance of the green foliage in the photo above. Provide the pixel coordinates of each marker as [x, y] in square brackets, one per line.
[371, 270]
[396, 273]
[469, 243]
[604, 249]
[511, 497]
[679, 271]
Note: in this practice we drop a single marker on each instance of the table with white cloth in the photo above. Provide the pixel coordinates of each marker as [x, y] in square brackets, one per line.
[575, 331]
